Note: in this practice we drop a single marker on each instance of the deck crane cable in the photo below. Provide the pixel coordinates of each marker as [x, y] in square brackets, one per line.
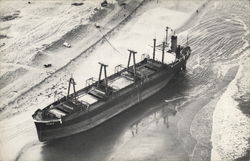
[104, 37]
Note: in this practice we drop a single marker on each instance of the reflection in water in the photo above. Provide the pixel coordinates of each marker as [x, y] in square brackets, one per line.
[159, 115]
[154, 122]
[100, 142]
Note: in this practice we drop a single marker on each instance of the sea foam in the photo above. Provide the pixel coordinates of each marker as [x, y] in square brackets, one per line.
[231, 129]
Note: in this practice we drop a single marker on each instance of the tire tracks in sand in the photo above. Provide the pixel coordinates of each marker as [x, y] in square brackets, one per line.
[89, 49]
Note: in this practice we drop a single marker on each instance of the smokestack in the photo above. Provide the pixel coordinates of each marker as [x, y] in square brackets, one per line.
[173, 43]
[163, 52]
[178, 51]
[154, 49]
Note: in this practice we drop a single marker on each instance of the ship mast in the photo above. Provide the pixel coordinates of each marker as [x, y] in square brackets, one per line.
[167, 35]
[131, 52]
[103, 66]
[72, 82]
[163, 52]
[187, 40]
[154, 49]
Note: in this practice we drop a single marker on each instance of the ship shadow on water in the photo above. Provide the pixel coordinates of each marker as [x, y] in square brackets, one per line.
[98, 143]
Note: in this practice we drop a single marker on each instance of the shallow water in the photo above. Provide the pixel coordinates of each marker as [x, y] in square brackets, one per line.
[169, 125]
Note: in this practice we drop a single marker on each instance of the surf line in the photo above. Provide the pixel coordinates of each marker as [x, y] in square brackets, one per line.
[177, 98]
[25, 148]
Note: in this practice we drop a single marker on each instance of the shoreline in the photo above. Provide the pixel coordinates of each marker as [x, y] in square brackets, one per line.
[29, 128]
[87, 50]
[237, 147]
[236, 141]
[3, 113]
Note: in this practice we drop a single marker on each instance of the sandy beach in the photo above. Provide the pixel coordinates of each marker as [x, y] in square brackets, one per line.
[188, 120]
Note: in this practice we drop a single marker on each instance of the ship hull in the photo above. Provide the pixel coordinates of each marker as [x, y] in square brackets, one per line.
[112, 107]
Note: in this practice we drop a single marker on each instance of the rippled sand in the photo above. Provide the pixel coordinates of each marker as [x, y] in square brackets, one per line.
[176, 123]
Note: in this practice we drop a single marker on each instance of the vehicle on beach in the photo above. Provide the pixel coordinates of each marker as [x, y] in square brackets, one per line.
[66, 45]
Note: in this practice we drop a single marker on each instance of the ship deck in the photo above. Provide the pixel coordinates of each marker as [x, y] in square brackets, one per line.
[96, 92]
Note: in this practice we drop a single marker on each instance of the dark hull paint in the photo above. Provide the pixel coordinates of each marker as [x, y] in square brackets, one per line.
[109, 108]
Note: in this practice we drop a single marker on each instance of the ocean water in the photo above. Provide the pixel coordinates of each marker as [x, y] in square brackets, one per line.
[231, 117]
[202, 114]
[221, 40]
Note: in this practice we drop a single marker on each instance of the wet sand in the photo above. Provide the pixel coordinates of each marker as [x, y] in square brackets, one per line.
[151, 130]
[178, 129]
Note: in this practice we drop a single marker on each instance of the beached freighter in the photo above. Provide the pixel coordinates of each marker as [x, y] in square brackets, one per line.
[105, 98]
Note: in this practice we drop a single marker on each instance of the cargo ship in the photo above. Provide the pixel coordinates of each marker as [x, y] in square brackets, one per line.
[106, 97]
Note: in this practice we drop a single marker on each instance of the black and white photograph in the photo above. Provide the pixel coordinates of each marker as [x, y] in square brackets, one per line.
[124, 80]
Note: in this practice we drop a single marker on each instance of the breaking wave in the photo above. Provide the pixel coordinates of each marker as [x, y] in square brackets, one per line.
[231, 118]
[230, 125]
